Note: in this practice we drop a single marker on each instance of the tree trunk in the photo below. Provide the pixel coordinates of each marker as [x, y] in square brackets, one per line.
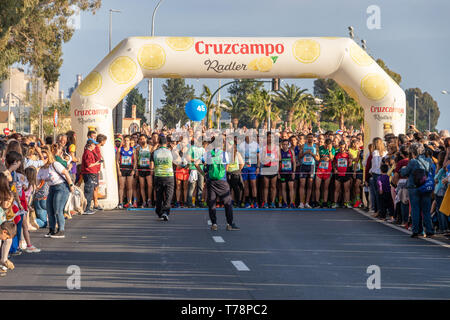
[341, 122]
[210, 113]
[290, 117]
[235, 122]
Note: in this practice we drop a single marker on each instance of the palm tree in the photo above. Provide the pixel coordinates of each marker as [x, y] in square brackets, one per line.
[338, 105]
[306, 113]
[261, 107]
[288, 99]
[206, 96]
[234, 105]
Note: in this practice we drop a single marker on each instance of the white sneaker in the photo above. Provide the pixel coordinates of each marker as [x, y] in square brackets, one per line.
[307, 206]
[23, 244]
[301, 206]
[32, 249]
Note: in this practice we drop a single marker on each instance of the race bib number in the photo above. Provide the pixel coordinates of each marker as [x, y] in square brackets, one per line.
[308, 159]
[286, 165]
[126, 160]
[144, 162]
[342, 163]
[324, 165]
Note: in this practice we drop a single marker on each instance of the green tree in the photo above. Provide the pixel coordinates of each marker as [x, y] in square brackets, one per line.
[135, 98]
[177, 94]
[206, 97]
[339, 106]
[394, 75]
[424, 103]
[288, 99]
[234, 108]
[261, 107]
[32, 32]
[321, 87]
[306, 113]
[242, 89]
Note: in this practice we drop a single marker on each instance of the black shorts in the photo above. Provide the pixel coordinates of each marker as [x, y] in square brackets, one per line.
[126, 172]
[359, 175]
[287, 177]
[270, 176]
[343, 179]
[144, 173]
[307, 171]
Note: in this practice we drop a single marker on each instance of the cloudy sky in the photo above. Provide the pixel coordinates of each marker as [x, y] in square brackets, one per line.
[414, 38]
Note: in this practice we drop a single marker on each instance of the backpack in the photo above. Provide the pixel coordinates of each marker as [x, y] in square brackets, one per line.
[423, 180]
[216, 170]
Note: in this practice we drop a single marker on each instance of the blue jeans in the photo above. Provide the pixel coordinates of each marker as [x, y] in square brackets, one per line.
[420, 211]
[56, 201]
[405, 211]
[89, 186]
[374, 196]
[15, 245]
[40, 207]
[442, 218]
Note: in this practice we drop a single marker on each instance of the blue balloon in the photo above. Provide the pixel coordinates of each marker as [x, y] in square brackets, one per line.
[195, 110]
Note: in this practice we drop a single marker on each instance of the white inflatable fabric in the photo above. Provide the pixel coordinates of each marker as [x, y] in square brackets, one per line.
[136, 58]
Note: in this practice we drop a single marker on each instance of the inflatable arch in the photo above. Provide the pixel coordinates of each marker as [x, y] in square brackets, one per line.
[134, 58]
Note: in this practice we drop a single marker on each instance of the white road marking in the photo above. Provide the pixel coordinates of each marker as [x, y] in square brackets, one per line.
[401, 229]
[218, 239]
[240, 266]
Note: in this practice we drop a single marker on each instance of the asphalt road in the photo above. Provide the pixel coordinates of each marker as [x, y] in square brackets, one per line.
[287, 254]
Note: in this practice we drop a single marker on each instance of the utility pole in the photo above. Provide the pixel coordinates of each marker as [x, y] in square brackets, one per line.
[415, 99]
[9, 100]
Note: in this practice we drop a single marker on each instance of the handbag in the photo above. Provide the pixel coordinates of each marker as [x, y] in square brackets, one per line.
[428, 185]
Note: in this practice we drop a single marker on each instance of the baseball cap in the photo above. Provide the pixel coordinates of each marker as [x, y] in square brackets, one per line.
[93, 141]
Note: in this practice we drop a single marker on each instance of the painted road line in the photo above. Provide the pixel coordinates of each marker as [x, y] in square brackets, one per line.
[240, 266]
[445, 245]
[218, 239]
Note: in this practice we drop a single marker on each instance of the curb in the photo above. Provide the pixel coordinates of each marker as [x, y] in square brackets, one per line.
[443, 244]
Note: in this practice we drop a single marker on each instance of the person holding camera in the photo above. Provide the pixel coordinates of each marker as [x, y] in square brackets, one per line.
[90, 166]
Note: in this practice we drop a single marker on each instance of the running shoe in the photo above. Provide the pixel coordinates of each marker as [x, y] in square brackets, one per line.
[272, 206]
[348, 205]
[255, 205]
[266, 206]
[284, 206]
[214, 227]
[292, 205]
[98, 208]
[32, 249]
[334, 205]
[120, 206]
[177, 205]
[48, 235]
[248, 206]
[357, 204]
[89, 212]
[58, 235]
[301, 206]
[8, 264]
[135, 205]
[307, 206]
[165, 217]
[127, 205]
[232, 227]
[149, 203]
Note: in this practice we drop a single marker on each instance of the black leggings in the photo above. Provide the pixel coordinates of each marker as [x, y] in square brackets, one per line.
[236, 183]
[219, 189]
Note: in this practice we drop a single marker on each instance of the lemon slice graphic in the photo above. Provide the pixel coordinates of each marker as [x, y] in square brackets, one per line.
[180, 43]
[151, 56]
[264, 64]
[252, 65]
[306, 51]
[91, 84]
[122, 70]
[374, 86]
[360, 56]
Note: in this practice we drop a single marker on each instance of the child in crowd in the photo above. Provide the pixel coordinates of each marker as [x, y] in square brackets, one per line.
[384, 190]
[7, 232]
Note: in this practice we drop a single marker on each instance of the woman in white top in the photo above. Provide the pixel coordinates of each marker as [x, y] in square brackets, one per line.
[61, 185]
[377, 156]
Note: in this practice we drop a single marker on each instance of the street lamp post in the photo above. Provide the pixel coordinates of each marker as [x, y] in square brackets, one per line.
[415, 99]
[151, 111]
